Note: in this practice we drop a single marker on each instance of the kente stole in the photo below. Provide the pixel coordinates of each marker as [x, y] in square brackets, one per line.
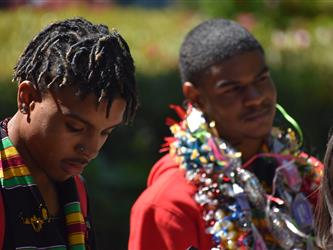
[28, 224]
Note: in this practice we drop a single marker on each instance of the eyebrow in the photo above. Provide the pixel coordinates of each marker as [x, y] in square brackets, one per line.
[264, 70]
[81, 119]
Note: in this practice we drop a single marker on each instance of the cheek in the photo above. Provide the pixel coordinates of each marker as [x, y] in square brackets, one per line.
[52, 137]
[43, 121]
[274, 93]
[61, 140]
[223, 113]
[100, 146]
[270, 90]
[55, 148]
[226, 106]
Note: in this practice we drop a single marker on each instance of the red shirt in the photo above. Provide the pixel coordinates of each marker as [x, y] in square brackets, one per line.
[166, 216]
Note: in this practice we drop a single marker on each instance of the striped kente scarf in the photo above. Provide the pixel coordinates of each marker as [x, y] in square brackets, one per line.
[28, 225]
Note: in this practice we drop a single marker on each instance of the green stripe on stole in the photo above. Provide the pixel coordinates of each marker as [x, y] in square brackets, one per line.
[16, 180]
[78, 247]
[72, 208]
[6, 143]
[75, 209]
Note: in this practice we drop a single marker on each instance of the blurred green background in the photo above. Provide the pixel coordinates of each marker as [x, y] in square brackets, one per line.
[297, 36]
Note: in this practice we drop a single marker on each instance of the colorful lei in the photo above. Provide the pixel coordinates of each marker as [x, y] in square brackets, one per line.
[228, 192]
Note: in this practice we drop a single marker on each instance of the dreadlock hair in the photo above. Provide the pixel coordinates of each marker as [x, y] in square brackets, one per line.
[324, 208]
[75, 52]
[210, 43]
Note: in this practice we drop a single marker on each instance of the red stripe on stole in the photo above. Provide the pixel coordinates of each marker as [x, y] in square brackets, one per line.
[11, 162]
[76, 228]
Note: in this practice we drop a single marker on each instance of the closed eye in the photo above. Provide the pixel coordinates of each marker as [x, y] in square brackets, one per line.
[234, 88]
[107, 133]
[263, 77]
[110, 130]
[73, 128]
[226, 86]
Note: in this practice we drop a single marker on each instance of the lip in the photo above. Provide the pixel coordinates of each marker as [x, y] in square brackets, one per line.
[258, 114]
[74, 166]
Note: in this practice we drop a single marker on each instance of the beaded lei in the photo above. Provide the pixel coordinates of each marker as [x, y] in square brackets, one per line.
[227, 192]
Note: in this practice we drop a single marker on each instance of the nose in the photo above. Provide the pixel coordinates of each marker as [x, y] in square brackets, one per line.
[90, 146]
[253, 95]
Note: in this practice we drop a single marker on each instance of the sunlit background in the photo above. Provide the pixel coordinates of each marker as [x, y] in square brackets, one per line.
[297, 36]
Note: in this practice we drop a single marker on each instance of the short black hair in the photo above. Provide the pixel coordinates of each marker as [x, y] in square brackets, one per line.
[212, 42]
[75, 52]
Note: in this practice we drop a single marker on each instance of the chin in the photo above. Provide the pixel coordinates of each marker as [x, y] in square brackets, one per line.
[260, 133]
[60, 178]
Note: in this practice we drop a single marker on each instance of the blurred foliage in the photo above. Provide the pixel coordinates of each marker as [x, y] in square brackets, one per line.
[152, 35]
[297, 37]
[280, 12]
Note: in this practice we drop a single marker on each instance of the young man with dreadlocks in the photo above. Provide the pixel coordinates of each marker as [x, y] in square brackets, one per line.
[230, 180]
[75, 85]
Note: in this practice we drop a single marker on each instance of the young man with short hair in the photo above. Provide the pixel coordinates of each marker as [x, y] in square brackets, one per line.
[231, 180]
[75, 85]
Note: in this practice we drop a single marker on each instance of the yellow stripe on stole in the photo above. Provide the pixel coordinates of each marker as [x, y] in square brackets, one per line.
[21, 170]
[76, 238]
[9, 152]
[74, 218]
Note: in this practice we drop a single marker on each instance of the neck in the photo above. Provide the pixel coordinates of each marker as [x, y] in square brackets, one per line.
[16, 134]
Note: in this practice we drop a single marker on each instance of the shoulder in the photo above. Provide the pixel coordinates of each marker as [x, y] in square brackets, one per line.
[166, 165]
[167, 190]
[167, 212]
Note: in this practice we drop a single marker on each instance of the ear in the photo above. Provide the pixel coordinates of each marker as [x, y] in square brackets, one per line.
[27, 96]
[192, 94]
